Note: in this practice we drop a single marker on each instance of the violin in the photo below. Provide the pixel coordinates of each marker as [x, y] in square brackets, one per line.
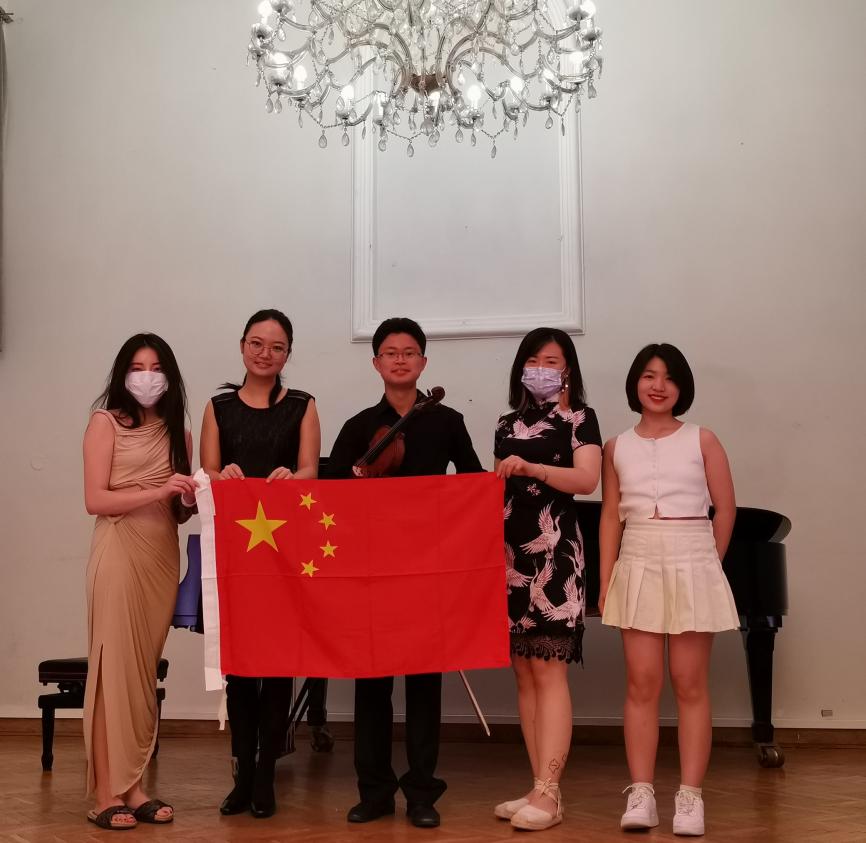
[388, 446]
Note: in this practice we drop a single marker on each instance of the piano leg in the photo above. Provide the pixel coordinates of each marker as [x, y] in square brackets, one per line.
[759, 640]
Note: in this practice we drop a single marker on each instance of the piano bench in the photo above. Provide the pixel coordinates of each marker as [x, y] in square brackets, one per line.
[70, 676]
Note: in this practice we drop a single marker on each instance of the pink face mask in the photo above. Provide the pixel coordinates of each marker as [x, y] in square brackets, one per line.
[544, 384]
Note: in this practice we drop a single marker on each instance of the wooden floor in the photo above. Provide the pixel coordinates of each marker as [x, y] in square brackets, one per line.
[820, 795]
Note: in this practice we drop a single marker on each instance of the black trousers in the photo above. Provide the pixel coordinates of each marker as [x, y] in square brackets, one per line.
[259, 713]
[258, 716]
[374, 724]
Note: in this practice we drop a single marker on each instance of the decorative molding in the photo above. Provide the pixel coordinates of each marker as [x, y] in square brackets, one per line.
[366, 296]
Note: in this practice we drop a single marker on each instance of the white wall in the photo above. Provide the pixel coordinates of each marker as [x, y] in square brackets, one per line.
[723, 190]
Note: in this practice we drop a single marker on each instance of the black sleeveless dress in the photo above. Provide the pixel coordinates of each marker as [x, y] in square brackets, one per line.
[260, 439]
[543, 544]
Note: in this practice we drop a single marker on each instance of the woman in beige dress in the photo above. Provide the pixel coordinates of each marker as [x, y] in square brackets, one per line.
[136, 480]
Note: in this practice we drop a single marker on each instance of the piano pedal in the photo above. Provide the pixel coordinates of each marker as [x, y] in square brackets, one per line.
[770, 755]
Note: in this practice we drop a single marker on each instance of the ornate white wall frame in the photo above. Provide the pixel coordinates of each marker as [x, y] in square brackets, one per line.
[367, 296]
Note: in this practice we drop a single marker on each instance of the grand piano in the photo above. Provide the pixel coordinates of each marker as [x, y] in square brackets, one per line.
[755, 567]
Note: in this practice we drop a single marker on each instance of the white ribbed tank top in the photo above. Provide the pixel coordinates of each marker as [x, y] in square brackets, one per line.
[666, 474]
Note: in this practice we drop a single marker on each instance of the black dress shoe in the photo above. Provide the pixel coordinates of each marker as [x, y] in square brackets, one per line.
[423, 816]
[365, 812]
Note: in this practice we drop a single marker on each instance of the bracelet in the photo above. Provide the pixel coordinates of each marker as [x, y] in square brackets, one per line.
[544, 480]
[187, 505]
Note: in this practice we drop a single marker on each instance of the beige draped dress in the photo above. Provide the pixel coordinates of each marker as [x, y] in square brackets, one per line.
[132, 581]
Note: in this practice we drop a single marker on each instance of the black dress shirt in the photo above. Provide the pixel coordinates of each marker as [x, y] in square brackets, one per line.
[434, 437]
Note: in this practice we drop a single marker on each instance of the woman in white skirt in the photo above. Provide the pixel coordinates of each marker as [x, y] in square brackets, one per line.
[661, 577]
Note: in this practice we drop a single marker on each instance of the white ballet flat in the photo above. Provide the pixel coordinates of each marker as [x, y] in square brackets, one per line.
[530, 818]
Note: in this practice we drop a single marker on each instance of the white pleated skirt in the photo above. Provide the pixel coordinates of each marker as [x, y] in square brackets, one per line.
[669, 579]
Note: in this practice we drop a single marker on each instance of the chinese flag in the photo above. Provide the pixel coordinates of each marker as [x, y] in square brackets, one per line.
[354, 578]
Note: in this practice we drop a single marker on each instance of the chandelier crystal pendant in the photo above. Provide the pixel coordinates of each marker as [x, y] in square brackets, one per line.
[414, 69]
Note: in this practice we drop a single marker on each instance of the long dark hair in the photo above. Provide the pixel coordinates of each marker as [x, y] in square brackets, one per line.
[532, 343]
[171, 408]
[283, 321]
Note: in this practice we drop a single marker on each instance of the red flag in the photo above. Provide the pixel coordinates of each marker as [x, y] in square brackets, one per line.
[358, 578]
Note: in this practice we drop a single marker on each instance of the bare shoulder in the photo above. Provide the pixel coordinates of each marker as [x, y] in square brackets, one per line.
[710, 444]
[610, 446]
[102, 422]
[709, 439]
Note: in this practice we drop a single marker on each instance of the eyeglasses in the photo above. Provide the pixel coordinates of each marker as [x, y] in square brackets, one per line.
[409, 355]
[257, 347]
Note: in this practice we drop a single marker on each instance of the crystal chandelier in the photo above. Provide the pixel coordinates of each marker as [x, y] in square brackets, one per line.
[409, 69]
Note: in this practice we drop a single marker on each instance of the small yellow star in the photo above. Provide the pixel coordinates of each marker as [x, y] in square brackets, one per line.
[307, 500]
[328, 521]
[309, 568]
[328, 550]
[261, 528]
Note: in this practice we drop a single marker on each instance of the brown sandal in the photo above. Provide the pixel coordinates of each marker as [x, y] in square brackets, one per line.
[146, 812]
[104, 818]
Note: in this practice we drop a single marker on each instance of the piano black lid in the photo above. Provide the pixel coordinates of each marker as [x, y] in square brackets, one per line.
[759, 525]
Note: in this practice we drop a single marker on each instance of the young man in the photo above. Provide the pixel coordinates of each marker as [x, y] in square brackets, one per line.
[433, 438]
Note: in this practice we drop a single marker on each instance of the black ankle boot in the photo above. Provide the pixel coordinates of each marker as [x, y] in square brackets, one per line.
[237, 801]
[242, 701]
[263, 802]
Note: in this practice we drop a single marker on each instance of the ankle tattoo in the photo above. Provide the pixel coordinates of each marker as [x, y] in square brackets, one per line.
[556, 765]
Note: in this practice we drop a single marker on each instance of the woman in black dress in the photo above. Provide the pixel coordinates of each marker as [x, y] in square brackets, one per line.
[548, 449]
[260, 429]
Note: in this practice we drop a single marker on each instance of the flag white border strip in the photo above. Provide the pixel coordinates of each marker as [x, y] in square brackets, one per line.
[213, 677]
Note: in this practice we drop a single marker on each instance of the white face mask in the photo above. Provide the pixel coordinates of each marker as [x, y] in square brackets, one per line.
[544, 384]
[146, 387]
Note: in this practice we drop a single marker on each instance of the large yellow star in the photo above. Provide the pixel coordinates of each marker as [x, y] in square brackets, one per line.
[307, 500]
[261, 528]
[327, 521]
[309, 568]
[328, 550]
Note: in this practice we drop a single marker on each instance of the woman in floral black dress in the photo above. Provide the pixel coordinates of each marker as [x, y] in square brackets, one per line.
[548, 449]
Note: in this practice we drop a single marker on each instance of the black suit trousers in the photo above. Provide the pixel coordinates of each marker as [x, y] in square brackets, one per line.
[374, 721]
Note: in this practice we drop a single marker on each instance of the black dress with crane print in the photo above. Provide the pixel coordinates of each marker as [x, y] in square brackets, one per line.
[543, 544]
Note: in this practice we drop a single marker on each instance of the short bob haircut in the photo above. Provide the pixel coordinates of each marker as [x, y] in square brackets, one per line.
[399, 325]
[678, 370]
[518, 396]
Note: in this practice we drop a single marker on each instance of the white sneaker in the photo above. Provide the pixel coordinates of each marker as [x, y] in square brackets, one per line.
[640, 810]
[689, 814]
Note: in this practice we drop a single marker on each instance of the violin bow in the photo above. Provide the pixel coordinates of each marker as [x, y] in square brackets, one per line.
[478, 713]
